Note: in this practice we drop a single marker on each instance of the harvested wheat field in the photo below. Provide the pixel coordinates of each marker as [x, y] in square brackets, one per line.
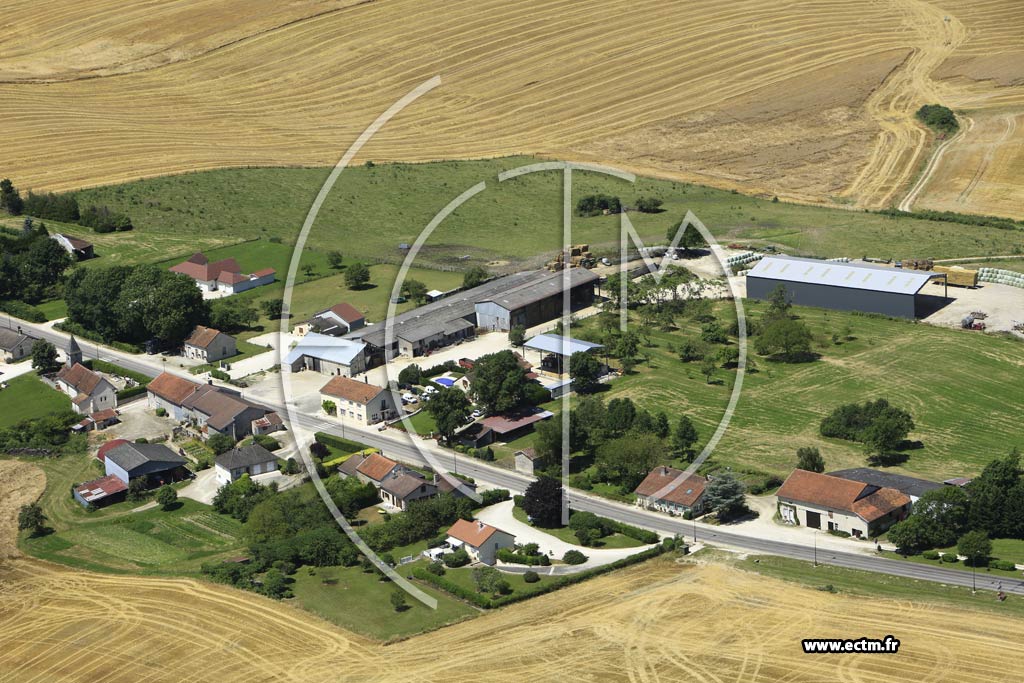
[664, 620]
[657, 622]
[801, 99]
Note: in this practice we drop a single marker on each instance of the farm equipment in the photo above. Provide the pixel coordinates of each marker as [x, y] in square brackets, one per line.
[580, 256]
[916, 264]
[971, 323]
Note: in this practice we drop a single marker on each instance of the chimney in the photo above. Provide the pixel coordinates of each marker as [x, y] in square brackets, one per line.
[664, 470]
[480, 525]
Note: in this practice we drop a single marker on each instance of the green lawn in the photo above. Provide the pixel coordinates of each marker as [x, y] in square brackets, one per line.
[871, 585]
[981, 571]
[54, 309]
[360, 602]
[372, 210]
[1011, 549]
[567, 535]
[423, 423]
[115, 539]
[27, 397]
[962, 389]
[463, 576]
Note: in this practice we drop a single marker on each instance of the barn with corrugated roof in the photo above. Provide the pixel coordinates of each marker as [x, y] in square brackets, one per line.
[843, 286]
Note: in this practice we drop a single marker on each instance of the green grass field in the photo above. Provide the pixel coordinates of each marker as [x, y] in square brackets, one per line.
[1016, 265]
[372, 210]
[567, 535]
[360, 602]
[869, 584]
[27, 397]
[116, 539]
[962, 389]
[982, 572]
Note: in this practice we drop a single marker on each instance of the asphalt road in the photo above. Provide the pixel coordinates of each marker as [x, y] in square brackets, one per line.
[399, 446]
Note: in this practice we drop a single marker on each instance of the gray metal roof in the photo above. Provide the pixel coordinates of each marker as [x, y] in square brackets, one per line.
[253, 454]
[847, 275]
[138, 459]
[326, 347]
[541, 287]
[442, 316]
[912, 486]
[564, 346]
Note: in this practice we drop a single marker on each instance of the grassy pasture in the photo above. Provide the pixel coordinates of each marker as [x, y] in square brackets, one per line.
[372, 210]
[115, 539]
[962, 389]
[27, 397]
[359, 602]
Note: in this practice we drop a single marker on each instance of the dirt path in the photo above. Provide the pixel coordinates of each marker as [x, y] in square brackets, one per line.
[933, 163]
[902, 141]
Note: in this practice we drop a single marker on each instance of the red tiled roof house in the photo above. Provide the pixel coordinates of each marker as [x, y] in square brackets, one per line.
[481, 541]
[224, 275]
[821, 501]
[667, 489]
[209, 345]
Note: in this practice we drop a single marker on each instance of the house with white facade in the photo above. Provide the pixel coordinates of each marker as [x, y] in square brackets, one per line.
[252, 460]
[15, 345]
[667, 489]
[481, 541]
[210, 409]
[221, 276]
[156, 462]
[209, 345]
[334, 321]
[90, 391]
[360, 401]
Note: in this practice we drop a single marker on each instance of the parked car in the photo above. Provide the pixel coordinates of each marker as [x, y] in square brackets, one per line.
[606, 261]
[476, 414]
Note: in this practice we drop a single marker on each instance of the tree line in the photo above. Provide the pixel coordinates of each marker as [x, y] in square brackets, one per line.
[61, 207]
[32, 265]
[990, 506]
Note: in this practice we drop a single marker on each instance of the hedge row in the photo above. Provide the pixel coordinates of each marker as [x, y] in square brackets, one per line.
[339, 442]
[643, 535]
[128, 393]
[550, 583]
[512, 557]
[112, 369]
[20, 309]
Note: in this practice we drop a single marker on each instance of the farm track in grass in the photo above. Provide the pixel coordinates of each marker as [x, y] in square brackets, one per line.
[717, 93]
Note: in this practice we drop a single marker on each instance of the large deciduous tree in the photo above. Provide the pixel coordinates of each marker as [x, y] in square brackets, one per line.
[498, 381]
[449, 408]
[627, 460]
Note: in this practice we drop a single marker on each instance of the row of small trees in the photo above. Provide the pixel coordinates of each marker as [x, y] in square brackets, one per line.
[61, 207]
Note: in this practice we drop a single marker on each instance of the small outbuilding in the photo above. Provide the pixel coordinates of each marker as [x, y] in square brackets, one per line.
[156, 462]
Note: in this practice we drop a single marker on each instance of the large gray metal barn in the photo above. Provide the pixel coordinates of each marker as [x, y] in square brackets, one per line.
[842, 286]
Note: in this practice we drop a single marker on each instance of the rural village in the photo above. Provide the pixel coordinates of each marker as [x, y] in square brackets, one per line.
[482, 395]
